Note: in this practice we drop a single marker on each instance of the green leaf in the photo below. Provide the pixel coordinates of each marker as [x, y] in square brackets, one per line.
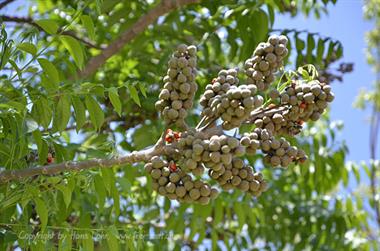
[43, 150]
[65, 242]
[28, 47]
[98, 6]
[239, 213]
[115, 100]
[74, 48]
[218, 212]
[62, 113]
[96, 113]
[80, 112]
[49, 69]
[142, 89]
[66, 192]
[50, 86]
[339, 51]
[260, 23]
[96, 89]
[300, 45]
[17, 69]
[87, 242]
[48, 25]
[88, 25]
[320, 50]
[42, 112]
[42, 212]
[134, 94]
[42, 147]
[112, 238]
[310, 47]
[101, 192]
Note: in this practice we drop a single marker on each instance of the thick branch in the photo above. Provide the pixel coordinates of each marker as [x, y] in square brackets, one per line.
[5, 3]
[30, 21]
[137, 156]
[164, 7]
[52, 169]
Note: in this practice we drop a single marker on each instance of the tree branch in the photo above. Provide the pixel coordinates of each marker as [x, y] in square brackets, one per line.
[137, 156]
[30, 21]
[5, 3]
[52, 169]
[164, 7]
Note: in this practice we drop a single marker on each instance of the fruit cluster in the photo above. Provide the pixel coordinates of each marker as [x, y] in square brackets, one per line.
[301, 102]
[179, 89]
[267, 59]
[172, 182]
[240, 176]
[219, 86]
[178, 174]
[236, 105]
[214, 153]
[278, 152]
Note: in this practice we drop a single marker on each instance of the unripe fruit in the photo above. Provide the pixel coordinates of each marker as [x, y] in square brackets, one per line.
[180, 191]
[205, 190]
[254, 185]
[214, 193]
[174, 177]
[194, 193]
[162, 181]
[156, 173]
[204, 200]
[189, 185]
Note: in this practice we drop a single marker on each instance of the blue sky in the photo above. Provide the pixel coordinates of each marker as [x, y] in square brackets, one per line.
[344, 22]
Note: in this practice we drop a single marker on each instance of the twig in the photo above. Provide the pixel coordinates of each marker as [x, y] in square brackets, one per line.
[164, 7]
[201, 122]
[30, 21]
[259, 112]
[210, 121]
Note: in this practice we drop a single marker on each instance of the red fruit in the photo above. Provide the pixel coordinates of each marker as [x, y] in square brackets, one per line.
[300, 122]
[172, 167]
[302, 160]
[176, 135]
[50, 158]
[168, 139]
[303, 105]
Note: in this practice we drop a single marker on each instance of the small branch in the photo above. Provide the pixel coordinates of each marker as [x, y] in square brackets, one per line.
[5, 3]
[260, 112]
[201, 122]
[69, 166]
[209, 122]
[164, 7]
[30, 21]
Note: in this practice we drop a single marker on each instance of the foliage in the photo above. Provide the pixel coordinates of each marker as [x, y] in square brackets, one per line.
[46, 108]
[371, 98]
